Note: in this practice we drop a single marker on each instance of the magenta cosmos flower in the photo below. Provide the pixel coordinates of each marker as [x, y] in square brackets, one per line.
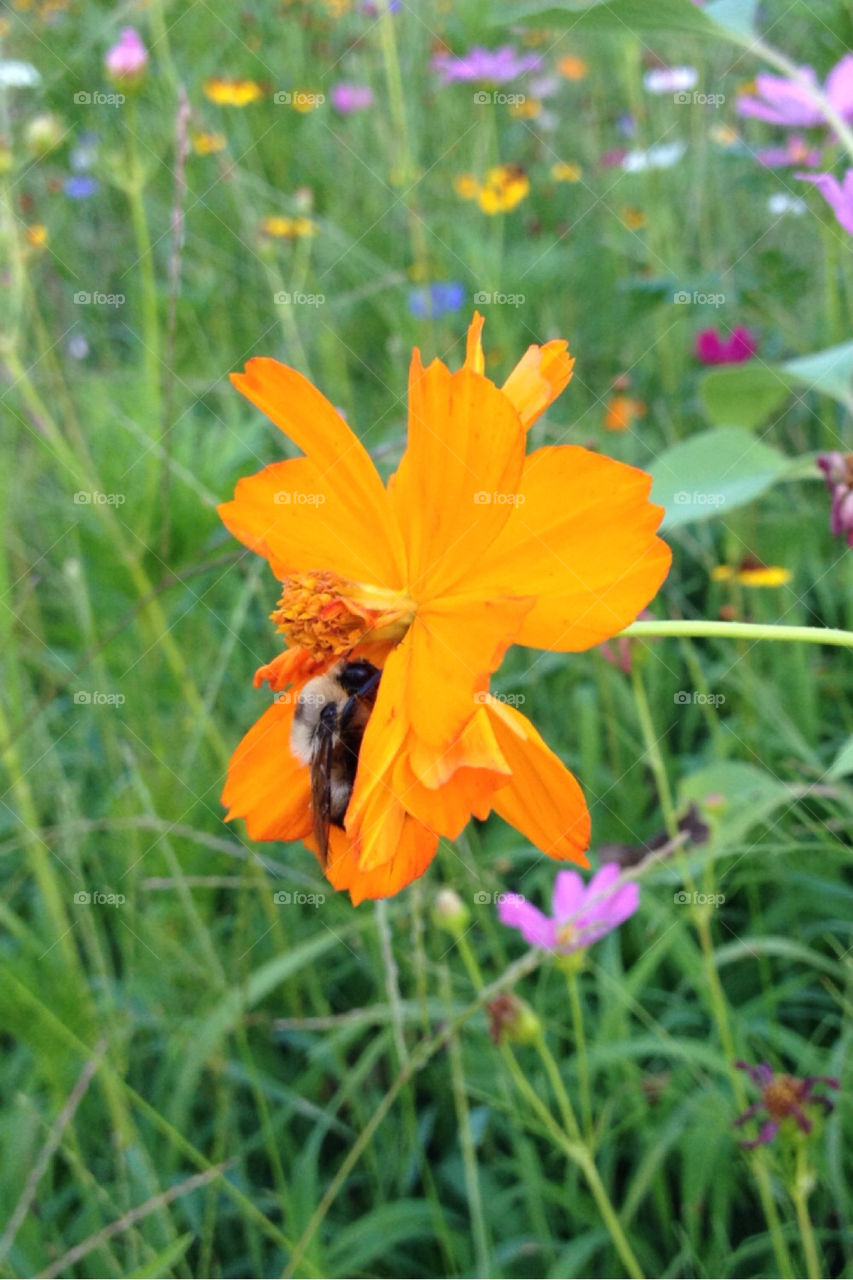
[348, 98]
[838, 470]
[795, 150]
[783, 1097]
[580, 914]
[838, 195]
[710, 348]
[494, 65]
[786, 102]
[126, 61]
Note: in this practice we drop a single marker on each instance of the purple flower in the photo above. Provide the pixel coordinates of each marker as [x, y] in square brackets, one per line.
[795, 151]
[580, 914]
[494, 65]
[710, 348]
[127, 59]
[436, 299]
[838, 195]
[347, 98]
[789, 103]
[371, 10]
[838, 471]
[783, 1097]
[81, 186]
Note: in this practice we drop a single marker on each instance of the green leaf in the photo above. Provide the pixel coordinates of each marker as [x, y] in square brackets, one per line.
[733, 15]
[743, 395]
[612, 15]
[165, 1260]
[829, 371]
[842, 765]
[713, 472]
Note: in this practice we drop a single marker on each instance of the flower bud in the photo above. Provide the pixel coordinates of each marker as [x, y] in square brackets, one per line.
[511, 1018]
[127, 61]
[43, 134]
[449, 912]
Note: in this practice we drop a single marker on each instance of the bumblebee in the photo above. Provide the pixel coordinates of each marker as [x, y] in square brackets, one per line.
[328, 725]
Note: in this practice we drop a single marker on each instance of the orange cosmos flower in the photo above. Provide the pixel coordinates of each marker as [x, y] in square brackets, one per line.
[470, 547]
[232, 93]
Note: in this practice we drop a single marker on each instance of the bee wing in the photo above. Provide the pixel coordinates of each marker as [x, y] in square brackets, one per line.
[321, 787]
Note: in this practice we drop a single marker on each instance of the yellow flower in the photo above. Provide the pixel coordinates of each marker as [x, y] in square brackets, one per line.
[632, 218]
[232, 93]
[527, 109]
[572, 68]
[752, 573]
[564, 172]
[466, 186]
[724, 135]
[37, 236]
[305, 100]
[207, 144]
[504, 188]
[287, 228]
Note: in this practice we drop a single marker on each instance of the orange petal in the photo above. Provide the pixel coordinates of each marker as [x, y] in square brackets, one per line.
[342, 467]
[266, 784]
[474, 345]
[543, 799]
[447, 809]
[412, 855]
[475, 748]
[456, 643]
[583, 543]
[289, 667]
[540, 376]
[456, 483]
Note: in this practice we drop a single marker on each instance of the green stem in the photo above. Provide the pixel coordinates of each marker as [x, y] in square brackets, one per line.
[581, 1054]
[653, 754]
[739, 631]
[800, 1196]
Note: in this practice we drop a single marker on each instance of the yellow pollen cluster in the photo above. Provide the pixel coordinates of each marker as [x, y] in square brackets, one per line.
[316, 613]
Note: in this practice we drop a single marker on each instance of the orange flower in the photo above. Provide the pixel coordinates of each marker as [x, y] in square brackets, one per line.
[621, 411]
[573, 68]
[470, 547]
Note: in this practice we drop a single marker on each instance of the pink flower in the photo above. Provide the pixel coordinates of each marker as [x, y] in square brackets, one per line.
[580, 914]
[838, 195]
[710, 348]
[838, 471]
[494, 65]
[127, 60]
[795, 151]
[786, 102]
[347, 98]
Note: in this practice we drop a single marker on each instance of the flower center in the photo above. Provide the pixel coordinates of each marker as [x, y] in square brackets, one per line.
[328, 616]
[782, 1095]
[566, 935]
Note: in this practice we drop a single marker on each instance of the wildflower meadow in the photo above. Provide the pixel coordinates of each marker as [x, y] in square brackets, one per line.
[427, 576]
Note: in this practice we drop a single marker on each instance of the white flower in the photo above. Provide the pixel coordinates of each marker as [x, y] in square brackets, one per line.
[18, 75]
[663, 156]
[670, 79]
[780, 203]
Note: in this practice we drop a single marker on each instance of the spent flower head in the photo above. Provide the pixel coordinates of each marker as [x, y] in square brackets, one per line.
[783, 1098]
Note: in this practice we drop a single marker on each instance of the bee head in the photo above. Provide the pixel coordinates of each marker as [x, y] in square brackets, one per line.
[355, 675]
